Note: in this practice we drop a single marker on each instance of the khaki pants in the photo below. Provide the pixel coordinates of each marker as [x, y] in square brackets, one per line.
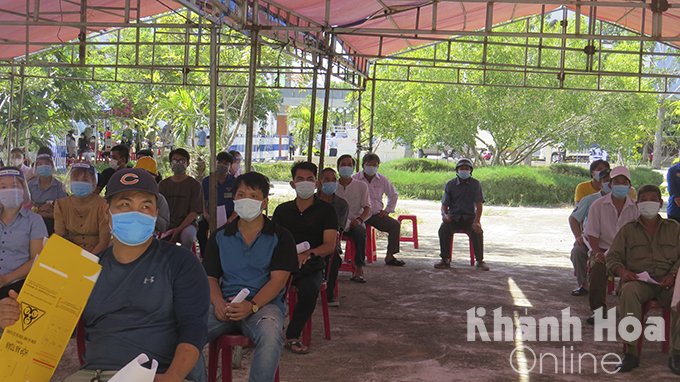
[636, 293]
[87, 376]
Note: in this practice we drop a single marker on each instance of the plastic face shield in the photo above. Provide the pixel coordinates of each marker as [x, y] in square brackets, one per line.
[81, 172]
[13, 179]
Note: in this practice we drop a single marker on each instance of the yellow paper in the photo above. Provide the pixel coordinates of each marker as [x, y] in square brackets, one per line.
[52, 299]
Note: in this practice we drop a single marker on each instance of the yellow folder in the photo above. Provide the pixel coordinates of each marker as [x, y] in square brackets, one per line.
[51, 300]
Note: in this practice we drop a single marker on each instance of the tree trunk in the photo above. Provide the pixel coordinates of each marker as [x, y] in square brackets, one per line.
[658, 136]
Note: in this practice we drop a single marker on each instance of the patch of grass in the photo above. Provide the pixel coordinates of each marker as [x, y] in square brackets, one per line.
[279, 171]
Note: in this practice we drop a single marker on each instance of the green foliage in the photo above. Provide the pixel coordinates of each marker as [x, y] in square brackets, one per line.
[570, 170]
[422, 165]
[278, 171]
[645, 175]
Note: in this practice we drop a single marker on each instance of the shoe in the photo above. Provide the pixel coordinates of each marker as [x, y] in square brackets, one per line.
[628, 363]
[443, 264]
[481, 265]
[580, 291]
[334, 303]
[674, 363]
[591, 320]
[394, 262]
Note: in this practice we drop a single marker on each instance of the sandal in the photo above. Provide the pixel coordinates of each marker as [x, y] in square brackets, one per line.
[358, 279]
[395, 262]
[296, 347]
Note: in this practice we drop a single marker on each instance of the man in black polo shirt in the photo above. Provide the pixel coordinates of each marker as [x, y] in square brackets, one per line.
[314, 221]
[462, 209]
[119, 158]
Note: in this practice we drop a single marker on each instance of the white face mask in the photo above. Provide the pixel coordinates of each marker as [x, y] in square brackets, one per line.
[648, 209]
[11, 197]
[596, 175]
[248, 209]
[370, 170]
[305, 190]
[17, 162]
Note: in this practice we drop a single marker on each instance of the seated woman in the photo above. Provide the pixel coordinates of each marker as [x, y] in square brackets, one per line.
[45, 190]
[82, 217]
[21, 231]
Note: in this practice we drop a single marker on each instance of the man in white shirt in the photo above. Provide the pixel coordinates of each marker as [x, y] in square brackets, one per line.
[356, 195]
[379, 185]
[333, 146]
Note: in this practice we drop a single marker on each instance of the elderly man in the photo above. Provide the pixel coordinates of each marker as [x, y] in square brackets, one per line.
[606, 216]
[649, 244]
[462, 209]
[577, 219]
[379, 185]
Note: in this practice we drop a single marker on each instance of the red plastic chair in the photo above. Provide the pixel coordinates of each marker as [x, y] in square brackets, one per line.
[371, 248]
[666, 314]
[350, 251]
[224, 344]
[414, 224]
[472, 248]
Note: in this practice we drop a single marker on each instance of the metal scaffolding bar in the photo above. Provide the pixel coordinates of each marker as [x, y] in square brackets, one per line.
[312, 111]
[214, 79]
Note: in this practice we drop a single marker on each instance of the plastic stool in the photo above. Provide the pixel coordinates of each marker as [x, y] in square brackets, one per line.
[666, 314]
[350, 251]
[224, 344]
[472, 248]
[371, 249]
[414, 224]
[307, 331]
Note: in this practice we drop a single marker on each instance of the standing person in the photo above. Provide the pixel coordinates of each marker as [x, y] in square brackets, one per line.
[606, 216]
[18, 160]
[202, 137]
[235, 169]
[379, 185]
[108, 142]
[21, 231]
[314, 221]
[45, 190]
[673, 181]
[82, 146]
[120, 156]
[357, 196]
[82, 218]
[333, 146]
[291, 146]
[462, 207]
[328, 184]
[225, 196]
[71, 147]
[256, 253]
[184, 197]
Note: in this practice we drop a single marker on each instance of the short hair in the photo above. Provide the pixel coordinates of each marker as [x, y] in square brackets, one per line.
[45, 150]
[145, 152]
[649, 188]
[370, 157]
[179, 151]
[254, 180]
[598, 162]
[304, 165]
[224, 156]
[343, 156]
[17, 150]
[328, 169]
[235, 153]
[122, 150]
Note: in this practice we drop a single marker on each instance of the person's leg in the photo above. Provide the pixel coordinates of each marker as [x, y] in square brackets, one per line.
[216, 327]
[188, 236]
[393, 229]
[265, 329]
[358, 235]
[307, 286]
[579, 259]
[202, 234]
[445, 236]
[665, 297]
[332, 276]
[633, 295]
[597, 279]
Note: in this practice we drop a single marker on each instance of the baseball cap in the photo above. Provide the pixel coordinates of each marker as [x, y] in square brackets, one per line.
[620, 170]
[131, 179]
[148, 164]
[464, 162]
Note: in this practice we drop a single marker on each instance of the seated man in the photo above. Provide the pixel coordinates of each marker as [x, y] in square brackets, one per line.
[594, 185]
[462, 209]
[184, 197]
[151, 296]
[163, 219]
[577, 219]
[356, 195]
[328, 183]
[255, 253]
[310, 220]
[649, 244]
[120, 156]
[379, 185]
[225, 195]
[606, 216]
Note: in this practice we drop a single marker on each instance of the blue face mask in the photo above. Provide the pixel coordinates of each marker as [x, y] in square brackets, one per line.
[606, 189]
[464, 174]
[81, 189]
[346, 171]
[43, 170]
[620, 191]
[329, 188]
[132, 228]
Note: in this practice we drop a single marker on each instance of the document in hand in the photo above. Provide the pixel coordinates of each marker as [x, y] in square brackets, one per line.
[51, 301]
[135, 372]
[645, 277]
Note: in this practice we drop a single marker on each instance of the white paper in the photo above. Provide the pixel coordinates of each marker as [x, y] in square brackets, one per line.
[221, 216]
[644, 276]
[135, 372]
[301, 247]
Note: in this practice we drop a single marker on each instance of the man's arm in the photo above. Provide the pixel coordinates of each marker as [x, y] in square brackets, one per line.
[267, 293]
[392, 197]
[576, 230]
[186, 356]
[616, 258]
[328, 246]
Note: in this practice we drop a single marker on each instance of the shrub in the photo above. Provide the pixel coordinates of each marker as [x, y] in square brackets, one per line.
[567, 169]
[423, 165]
[279, 171]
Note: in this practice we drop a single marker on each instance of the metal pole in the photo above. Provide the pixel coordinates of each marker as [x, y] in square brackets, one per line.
[312, 110]
[359, 126]
[214, 78]
[22, 90]
[10, 107]
[370, 131]
[326, 101]
[250, 128]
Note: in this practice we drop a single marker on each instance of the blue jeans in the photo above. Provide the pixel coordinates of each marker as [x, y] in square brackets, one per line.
[265, 329]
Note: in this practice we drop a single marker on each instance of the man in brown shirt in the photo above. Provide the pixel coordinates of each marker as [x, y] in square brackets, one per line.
[649, 244]
[185, 199]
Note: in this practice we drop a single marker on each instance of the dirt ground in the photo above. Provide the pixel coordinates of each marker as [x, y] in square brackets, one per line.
[409, 324]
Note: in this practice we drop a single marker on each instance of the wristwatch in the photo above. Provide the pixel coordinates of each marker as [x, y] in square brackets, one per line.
[254, 308]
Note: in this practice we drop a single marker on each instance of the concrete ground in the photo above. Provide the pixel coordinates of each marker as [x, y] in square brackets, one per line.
[410, 323]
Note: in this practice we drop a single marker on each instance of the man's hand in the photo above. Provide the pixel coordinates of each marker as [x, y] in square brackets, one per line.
[383, 213]
[599, 257]
[239, 310]
[220, 309]
[354, 223]
[168, 378]
[46, 209]
[477, 227]
[9, 310]
[667, 281]
[627, 275]
[579, 241]
[303, 257]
